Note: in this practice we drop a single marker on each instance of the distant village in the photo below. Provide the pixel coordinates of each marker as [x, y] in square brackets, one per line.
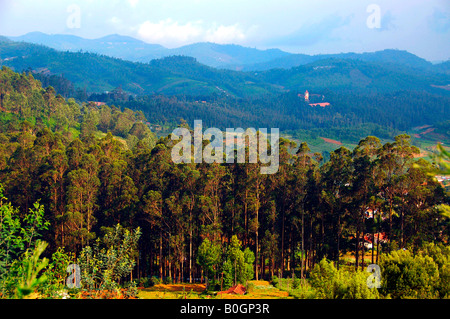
[312, 99]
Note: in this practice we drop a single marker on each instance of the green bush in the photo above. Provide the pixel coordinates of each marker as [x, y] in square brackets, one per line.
[154, 281]
[296, 283]
[109, 260]
[274, 281]
[304, 291]
[424, 275]
[331, 283]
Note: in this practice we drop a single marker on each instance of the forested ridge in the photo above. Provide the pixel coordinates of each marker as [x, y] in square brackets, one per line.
[97, 183]
[383, 94]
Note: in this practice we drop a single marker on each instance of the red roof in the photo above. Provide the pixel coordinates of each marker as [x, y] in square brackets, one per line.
[320, 104]
[235, 290]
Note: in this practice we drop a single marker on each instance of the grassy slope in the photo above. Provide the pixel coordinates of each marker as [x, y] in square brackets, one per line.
[260, 290]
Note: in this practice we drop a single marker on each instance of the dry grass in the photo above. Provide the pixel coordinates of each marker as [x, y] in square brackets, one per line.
[260, 290]
[174, 291]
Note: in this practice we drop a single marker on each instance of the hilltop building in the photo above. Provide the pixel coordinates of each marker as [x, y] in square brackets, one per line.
[317, 99]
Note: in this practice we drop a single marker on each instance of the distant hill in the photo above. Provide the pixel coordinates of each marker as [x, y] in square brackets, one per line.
[366, 97]
[228, 56]
[368, 72]
[4, 39]
[398, 57]
[443, 67]
[115, 45]
[354, 74]
[128, 48]
[98, 73]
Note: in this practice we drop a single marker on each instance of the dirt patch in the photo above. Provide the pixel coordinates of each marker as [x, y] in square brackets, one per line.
[177, 288]
[418, 128]
[328, 140]
[428, 131]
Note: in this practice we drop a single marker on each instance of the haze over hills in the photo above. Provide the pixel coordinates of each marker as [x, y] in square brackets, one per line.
[186, 75]
[128, 48]
[98, 73]
[227, 56]
[385, 56]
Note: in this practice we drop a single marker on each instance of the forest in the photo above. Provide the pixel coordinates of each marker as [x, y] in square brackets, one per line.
[93, 186]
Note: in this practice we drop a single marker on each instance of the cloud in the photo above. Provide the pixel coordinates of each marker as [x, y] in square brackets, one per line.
[313, 33]
[387, 22]
[439, 21]
[170, 32]
[133, 3]
[225, 34]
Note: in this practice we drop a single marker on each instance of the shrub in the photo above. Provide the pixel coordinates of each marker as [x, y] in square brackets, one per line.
[109, 259]
[250, 287]
[167, 280]
[304, 291]
[296, 283]
[408, 276]
[274, 281]
[331, 283]
[154, 281]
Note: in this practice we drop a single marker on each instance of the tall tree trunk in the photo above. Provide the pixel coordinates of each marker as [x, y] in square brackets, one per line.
[357, 248]
[282, 244]
[257, 230]
[401, 228]
[160, 256]
[338, 240]
[302, 274]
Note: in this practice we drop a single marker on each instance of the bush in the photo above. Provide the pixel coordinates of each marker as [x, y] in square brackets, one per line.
[304, 291]
[144, 282]
[408, 276]
[130, 290]
[274, 281]
[109, 260]
[250, 287]
[331, 283]
[296, 283]
[154, 281]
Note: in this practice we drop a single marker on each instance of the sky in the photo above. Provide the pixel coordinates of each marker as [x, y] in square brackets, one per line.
[297, 26]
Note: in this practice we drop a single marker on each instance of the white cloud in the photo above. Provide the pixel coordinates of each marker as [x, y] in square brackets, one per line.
[172, 33]
[225, 34]
[133, 3]
[167, 31]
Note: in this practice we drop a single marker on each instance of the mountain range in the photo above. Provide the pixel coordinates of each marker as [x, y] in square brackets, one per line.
[128, 48]
[378, 93]
[229, 56]
[381, 71]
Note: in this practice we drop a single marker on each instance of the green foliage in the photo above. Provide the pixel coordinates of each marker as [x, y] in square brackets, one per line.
[56, 272]
[238, 266]
[90, 180]
[109, 259]
[20, 249]
[30, 265]
[421, 275]
[209, 257]
[443, 158]
[233, 267]
[331, 283]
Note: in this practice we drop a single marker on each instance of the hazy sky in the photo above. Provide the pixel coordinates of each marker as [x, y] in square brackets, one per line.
[311, 27]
